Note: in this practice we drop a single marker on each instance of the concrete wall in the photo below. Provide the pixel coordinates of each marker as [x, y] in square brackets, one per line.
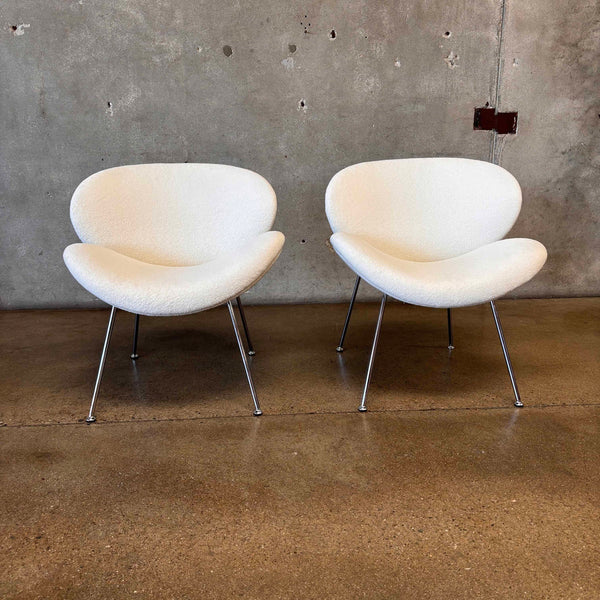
[551, 75]
[295, 91]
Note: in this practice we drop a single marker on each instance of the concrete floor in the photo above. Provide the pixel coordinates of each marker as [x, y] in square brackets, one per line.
[442, 490]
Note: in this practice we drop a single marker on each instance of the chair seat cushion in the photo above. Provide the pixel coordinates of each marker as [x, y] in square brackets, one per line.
[472, 278]
[157, 290]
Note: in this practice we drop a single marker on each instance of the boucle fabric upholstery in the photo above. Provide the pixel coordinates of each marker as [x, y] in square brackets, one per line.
[173, 214]
[472, 278]
[172, 239]
[428, 231]
[156, 290]
[424, 208]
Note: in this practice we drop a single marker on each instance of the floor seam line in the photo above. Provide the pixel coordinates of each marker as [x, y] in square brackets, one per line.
[298, 414]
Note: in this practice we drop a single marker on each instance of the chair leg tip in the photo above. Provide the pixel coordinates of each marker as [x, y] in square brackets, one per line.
[257, 412]
[362, 409]
[339, 349]
[450, 347]
[519, 404]
[90, 420]
[251, 352]
[134, 356]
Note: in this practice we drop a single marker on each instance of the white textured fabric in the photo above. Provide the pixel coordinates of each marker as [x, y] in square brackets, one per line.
[472, 278]
[172, 239]
[173, 214]
[428, 231]
[424, 208]
[156, 290]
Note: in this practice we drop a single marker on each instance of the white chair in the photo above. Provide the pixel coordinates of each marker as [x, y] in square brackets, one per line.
[172, 239]
[428, 231]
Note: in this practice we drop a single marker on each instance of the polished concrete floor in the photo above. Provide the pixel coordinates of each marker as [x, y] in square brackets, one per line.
[441, 490]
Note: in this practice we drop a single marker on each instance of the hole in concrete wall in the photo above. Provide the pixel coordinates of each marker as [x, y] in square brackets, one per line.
[303, 241]
[305, 25]
[19, 29]
[452, 60]
[227, 51]
[292, 48]
[332, 34]
[447, 34]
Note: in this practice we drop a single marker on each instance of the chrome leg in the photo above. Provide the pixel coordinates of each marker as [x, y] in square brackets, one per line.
[243, 316]
[340, 347]
[111, 321]
[513, 381]
[134, 354]
[450, 338]
[362, 407]
[238, 337]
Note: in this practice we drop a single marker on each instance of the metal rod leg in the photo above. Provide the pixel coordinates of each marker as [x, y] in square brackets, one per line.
[111, 321]
[513, 381]
[243, 316]
[238, 337]
[340, 347]
[362, 407]
[450, 338]
[134, 354]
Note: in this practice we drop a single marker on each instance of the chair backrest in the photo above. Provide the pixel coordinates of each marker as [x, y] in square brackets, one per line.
[173, 214]
[424, 208]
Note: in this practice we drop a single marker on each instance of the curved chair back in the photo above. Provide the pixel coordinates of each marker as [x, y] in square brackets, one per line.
[424, 208]
[173, 214]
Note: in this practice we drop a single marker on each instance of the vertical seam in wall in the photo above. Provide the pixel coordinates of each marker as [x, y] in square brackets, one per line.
[494, 141]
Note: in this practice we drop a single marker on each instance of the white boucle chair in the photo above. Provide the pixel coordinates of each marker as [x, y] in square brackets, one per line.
[428, 231]
[172, 239]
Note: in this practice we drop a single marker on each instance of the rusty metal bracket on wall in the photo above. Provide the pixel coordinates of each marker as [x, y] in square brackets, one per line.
[488, 119]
